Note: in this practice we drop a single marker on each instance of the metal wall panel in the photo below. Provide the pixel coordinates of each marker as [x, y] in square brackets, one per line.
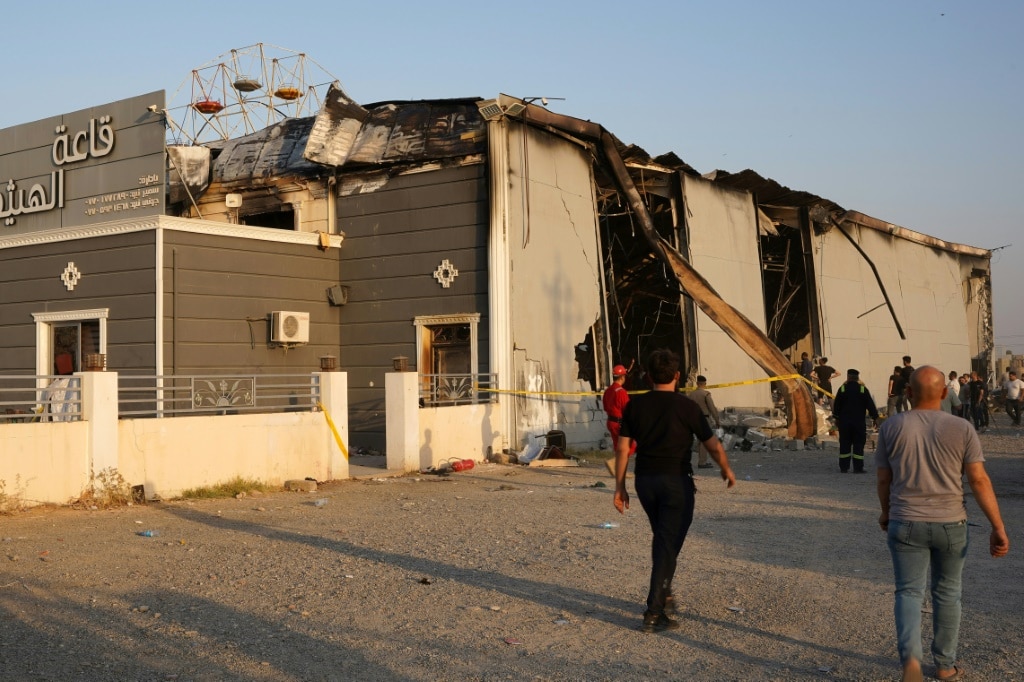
[723, 247]
[555, 284]
[925, 287]
[220, 291]
[117, 272]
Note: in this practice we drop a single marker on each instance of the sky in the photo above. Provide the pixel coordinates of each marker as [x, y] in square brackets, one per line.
[908, 111]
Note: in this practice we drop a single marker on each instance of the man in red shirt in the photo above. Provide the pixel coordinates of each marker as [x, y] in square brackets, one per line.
[614, 401]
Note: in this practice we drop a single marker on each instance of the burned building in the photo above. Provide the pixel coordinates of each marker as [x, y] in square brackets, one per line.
[490, 245]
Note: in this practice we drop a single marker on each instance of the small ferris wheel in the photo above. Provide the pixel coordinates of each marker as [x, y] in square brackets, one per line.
[245, 90]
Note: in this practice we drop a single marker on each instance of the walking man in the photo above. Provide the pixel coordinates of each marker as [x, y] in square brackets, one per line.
[853, 400]
[897, 389]
[920, 459]
[979, 393]
[1013, 387]
[614, 401]
[702, 396]
[663, 423]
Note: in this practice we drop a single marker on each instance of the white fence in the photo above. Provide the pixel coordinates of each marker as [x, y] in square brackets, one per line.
[56, 462]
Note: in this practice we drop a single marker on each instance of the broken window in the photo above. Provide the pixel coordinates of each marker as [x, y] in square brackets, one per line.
[280, 220]
[645, 306]
[788, 294]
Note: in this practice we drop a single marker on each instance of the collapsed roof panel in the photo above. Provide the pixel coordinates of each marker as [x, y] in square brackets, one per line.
[266, 155]
[394, 132]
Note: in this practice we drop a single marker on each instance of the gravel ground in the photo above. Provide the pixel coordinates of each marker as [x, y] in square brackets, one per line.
[497, 573]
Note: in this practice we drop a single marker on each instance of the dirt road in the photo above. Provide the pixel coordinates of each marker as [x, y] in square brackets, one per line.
[498, 573]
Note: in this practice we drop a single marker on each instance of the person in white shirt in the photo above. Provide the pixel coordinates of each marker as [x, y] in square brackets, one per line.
[953, 386]
[1013, 387]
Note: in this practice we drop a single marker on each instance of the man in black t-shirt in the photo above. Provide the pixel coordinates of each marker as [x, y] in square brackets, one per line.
[979, 394]
[824, 373]
[904, 404]
[663, 423]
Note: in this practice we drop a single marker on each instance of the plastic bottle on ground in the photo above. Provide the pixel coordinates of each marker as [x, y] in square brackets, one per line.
[149, 533]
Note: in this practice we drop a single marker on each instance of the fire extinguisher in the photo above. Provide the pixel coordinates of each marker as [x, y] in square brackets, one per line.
[461, 464]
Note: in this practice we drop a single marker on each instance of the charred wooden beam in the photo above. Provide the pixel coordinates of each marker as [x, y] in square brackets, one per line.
[800, 407]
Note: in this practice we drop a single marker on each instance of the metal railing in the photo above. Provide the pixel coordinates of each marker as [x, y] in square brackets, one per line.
[33, 398]
[179, 395]
[437, 390]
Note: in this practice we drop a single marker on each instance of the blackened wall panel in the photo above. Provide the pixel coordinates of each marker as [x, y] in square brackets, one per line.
[116, 272]
[396, 237]
[220, 292]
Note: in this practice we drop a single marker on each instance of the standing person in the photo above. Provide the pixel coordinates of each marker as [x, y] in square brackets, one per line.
[897, 387]
[978, 395]
[1014, 387]
[806, 367]
[614, 401]
[663, 423]
[702, 396]
[951, 403]
[953, 387]
[965, 397]
[920, 459]
[853, 400]
[824, 374]
[905, 371]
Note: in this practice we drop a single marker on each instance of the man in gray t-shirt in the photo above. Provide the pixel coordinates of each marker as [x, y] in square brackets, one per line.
[921, 458]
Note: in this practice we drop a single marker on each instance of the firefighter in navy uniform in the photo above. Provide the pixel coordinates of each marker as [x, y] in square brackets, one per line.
[853, 400]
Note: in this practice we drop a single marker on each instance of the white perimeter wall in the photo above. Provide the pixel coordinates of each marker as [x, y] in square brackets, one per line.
[55, 462]
[724, 248]
[44, 462]
[173, 455]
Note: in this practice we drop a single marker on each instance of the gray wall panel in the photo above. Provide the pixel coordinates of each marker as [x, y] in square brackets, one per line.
[395, 238]
[220, 292]
[117, 274]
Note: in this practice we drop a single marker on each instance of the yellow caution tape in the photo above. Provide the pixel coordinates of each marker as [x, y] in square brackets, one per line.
[334, 429]
[684, 389]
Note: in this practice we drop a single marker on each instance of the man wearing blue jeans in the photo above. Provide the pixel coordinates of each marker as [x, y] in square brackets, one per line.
[920, 459]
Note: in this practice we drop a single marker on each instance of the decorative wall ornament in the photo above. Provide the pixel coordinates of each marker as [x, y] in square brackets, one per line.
[446, 273]
[223, 392]
[70, 276]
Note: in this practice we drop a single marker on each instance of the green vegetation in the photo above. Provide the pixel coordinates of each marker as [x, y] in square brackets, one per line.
[236, 487]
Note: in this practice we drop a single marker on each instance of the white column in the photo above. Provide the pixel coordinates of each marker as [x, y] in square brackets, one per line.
[334, 396]
[402, 420]
[499, 274]
[99, 409]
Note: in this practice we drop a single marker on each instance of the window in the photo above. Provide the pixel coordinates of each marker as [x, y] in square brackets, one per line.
[64, 339]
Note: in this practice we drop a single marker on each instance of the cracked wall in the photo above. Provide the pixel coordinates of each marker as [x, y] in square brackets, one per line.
[555, 284]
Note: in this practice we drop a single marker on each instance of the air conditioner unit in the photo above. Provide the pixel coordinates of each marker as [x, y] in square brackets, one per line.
[289, 327]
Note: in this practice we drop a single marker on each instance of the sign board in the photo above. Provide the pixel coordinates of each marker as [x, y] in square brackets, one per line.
[91, 166]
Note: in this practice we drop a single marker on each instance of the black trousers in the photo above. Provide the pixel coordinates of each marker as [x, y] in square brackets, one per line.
[668, 501]
[1013, 411]
[852, 437]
